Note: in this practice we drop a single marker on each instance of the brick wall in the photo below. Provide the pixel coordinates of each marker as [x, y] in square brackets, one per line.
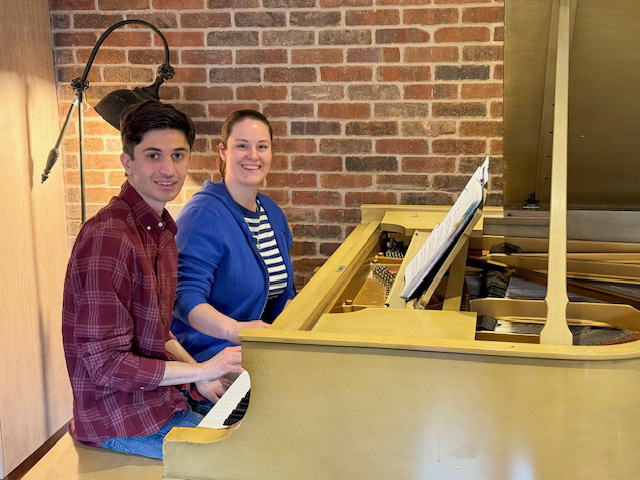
[372, 101]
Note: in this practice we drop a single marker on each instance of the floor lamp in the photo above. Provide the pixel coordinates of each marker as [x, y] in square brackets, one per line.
[111, 106]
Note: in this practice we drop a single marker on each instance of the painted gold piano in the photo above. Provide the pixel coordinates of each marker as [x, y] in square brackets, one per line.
[352, 383]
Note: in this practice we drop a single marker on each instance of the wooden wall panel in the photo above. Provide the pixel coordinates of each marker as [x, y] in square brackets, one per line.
[35, 398]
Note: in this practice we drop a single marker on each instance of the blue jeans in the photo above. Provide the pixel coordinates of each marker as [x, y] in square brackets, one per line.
[151, 445]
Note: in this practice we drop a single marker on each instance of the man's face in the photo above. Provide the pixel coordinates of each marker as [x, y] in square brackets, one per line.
[158, 167]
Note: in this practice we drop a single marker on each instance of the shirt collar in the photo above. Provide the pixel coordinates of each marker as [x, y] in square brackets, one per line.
[145, 214]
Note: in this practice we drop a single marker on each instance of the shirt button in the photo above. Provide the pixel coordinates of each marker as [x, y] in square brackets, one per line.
[160, 224]
[141, 388]
[148, 227]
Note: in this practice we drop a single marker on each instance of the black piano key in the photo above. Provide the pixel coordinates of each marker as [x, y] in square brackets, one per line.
[237, 413]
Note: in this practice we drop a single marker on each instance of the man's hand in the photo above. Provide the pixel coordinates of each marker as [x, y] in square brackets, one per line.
[227, 361]
[234, 335]
[213, 390]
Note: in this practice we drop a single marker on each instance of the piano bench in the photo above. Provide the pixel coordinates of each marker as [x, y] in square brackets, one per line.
[70, 460]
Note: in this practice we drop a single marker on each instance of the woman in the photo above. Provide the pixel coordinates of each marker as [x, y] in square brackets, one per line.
[234, 269]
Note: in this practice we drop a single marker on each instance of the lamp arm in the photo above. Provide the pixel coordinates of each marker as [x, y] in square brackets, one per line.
[165, 73]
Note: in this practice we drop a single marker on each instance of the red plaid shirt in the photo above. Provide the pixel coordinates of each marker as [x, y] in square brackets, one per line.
[118, 298]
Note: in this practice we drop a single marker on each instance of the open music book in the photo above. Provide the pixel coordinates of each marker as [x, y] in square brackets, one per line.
[445, 234]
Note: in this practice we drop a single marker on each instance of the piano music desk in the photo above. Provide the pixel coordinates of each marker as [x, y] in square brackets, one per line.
[69, 460]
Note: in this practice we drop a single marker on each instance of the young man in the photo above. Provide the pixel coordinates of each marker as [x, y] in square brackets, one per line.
[118, 299]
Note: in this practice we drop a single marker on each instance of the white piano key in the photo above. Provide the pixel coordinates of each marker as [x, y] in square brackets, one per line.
[223, 408]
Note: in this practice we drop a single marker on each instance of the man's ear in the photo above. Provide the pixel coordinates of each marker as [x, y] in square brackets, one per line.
[126, 161]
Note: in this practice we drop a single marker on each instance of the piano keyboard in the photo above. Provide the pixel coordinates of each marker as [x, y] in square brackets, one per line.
[224, 408]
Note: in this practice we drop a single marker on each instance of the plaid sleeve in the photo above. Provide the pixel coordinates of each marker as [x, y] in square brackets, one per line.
[104, 327]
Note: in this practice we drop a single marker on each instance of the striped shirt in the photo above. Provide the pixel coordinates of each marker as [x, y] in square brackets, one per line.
[260, 228]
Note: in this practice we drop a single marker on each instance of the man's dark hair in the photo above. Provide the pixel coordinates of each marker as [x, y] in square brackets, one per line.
[151, 115]
[236, 117]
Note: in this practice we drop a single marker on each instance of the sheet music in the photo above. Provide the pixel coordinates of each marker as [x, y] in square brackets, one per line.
[446, 233]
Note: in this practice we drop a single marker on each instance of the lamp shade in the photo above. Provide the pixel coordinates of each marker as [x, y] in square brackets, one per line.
[115, 103]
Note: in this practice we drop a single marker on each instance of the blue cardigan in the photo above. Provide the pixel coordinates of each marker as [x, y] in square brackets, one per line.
[219, 264]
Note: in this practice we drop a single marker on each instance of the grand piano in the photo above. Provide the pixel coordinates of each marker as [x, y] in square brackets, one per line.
[354, 382]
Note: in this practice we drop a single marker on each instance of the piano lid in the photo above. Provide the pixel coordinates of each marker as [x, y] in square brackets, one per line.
[604, 103]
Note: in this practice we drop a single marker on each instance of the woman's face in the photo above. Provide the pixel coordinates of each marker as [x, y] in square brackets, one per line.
[248, 153]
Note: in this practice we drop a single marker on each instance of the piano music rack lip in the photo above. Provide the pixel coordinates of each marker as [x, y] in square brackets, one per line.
[623, 351]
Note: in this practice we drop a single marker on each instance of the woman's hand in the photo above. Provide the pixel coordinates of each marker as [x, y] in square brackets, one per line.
[234, 332]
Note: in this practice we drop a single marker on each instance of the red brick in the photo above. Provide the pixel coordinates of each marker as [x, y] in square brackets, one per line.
[182, 39]
[429, 92]
[204, 19]
[429, 164]
[223, 110]
[316, 128]
[344, 110]
[295, 145]
[498, 34]
[295, 215]
[496, 109]
[281, 197]
[317, 92]
[406, 146]
[355, 199]
[428, 128]
[232, 39]
[345, 181]
[184, 4]
[94, 20]
[459, 147]
[261, 92]
[127, 74]
[404, 110]
[315, 19]
[160, 19]
[407, 181]
[287, 38]
[329, 248]
[289, 75]
[373, 92]
[426, 198]
[374, 55]
[460, 1]
[194, 110]
[372, 129]
[261, 56]
[72, 39]
[213, 4]
[317, 231]
[144, 57]
[100, 194]
[402, 35]
[403, 74]
[317, 197]
[279, 163]
[303, 248]
[346, 74]
[317, 55]
[190, 75]
[317, 163]
[344, 37]
[132, 38]
[482, 53]
[403, 2]
[288, 110]
[110, 56]
[94, 161]
[206, 57]
[340, 215]
[123, 5]
[483, 14]
[207, 93]
[372, 17]
[342, 146]
[234, 75]
[431, 54]
[288, 3]
[72, 4]
[291, 180]
[207, 127]
[462, 34]
[481, 90]
[496, 147]
[430, 16]
[371, 164]
[452, 183]
[345, 3]
[93, 178]
[468, 109]
[481, 129]
[498, 72]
